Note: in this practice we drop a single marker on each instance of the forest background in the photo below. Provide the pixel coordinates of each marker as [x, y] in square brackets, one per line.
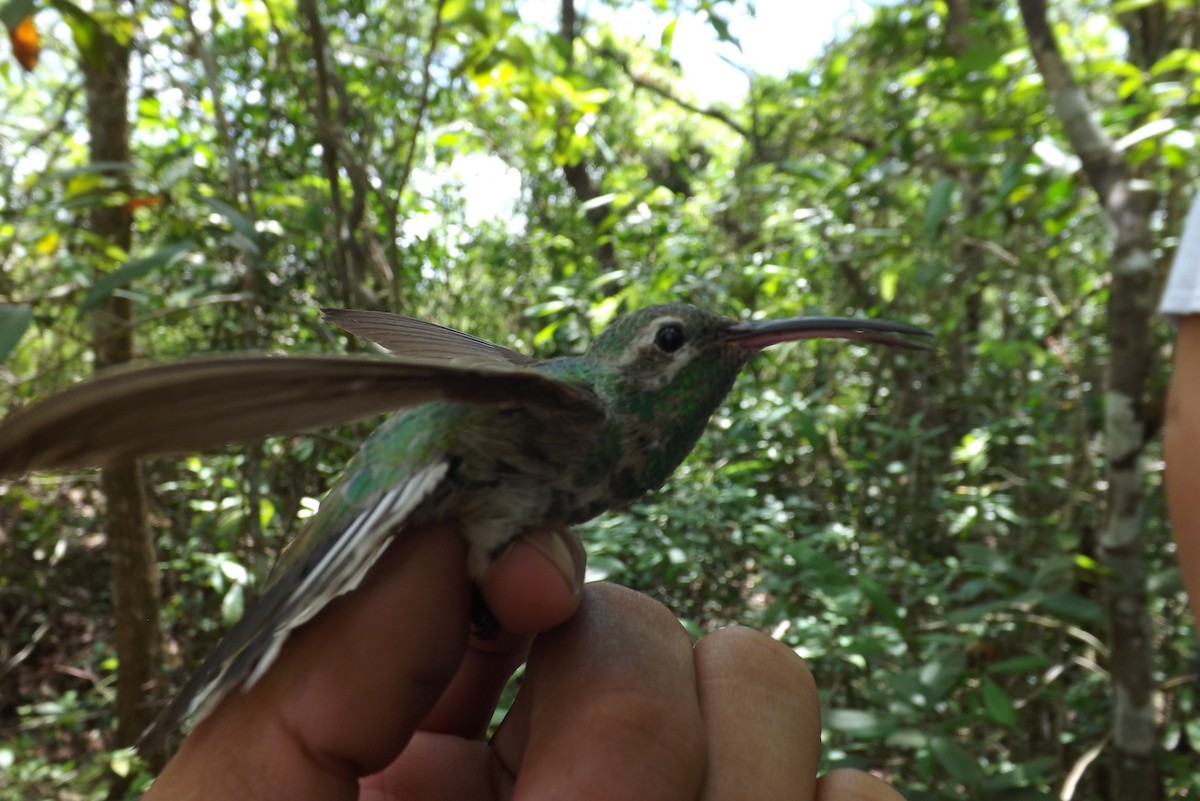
[970, 548]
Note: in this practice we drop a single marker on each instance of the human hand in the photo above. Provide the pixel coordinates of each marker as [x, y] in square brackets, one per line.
[615, 704]
[350, 687]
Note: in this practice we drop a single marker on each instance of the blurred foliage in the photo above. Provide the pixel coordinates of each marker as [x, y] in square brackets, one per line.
[920, 528]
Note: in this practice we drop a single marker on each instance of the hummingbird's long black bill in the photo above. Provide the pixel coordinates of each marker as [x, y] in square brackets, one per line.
[759, 334]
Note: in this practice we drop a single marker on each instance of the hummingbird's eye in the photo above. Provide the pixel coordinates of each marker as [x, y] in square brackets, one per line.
[670, 338]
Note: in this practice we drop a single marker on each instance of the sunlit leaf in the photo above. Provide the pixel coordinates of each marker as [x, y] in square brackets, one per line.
[668, 36]
[233, 604]
[1144, 132]
[888, 282]
[859, 722]
[453, 10]
[47, 244]
[121, 761]
[1125, 6]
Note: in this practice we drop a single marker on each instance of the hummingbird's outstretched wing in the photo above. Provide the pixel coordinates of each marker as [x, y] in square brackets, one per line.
[408, 336]
[310, 580]
[193, 405]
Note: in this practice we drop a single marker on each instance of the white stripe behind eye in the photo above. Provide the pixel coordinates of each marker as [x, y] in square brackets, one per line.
[645, 339]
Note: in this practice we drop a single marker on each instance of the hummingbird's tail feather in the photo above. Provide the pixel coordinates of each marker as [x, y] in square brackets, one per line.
[418, 339]
[334, 567]
[192, 405]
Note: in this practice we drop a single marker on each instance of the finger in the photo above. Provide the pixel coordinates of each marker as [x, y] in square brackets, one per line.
[347, 690]
[847, 784]
[762, 717]
[434, 767]
[608, 707]
[534, 586]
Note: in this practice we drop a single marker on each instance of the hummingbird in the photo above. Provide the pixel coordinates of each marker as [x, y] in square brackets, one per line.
[486, 438]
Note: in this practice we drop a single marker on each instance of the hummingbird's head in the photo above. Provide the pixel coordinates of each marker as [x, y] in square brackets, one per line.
[657, 347]
[668, 368]
[652, 348]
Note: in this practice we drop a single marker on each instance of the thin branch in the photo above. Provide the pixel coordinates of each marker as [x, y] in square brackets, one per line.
[666, 94]
[411, 152]
[329, 148]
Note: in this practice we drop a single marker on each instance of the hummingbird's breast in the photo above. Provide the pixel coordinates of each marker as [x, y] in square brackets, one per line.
[510, 470]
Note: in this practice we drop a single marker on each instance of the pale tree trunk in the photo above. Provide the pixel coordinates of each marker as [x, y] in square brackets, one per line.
[134, 568]
[1130, 308]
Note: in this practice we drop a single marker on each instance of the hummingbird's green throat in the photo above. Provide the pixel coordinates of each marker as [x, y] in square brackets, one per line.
[489, 440]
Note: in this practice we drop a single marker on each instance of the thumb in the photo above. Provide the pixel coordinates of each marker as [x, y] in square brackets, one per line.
[348, 689]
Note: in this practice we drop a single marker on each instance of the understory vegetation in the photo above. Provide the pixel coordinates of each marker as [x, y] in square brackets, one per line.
[929, 530]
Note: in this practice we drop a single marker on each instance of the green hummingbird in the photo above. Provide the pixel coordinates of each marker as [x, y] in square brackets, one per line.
[493, 441]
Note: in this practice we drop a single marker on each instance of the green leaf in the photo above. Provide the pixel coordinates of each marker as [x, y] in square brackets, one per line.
[721, 26]
[1125, 6]
[941, 674]
[668, 36]
[860, 722]
[980, 57]
[1150, 130]
[85, 30]
[121, 761]
[888, 283]
[882, 602]
[961, 766]
[233, 604]
[266, 512]
[240, 222]
[1020, 664]
[129, 272]
[998, 704]
[13, 12]
[1074, 608]
[91, 168]
[600, 567]
[938, 208]
[14, 320]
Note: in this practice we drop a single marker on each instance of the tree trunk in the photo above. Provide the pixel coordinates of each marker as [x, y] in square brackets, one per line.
[1130, 307]
[133, 564]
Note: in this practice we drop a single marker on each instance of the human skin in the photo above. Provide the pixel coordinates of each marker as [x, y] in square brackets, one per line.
[1181, 452]
[384, 696]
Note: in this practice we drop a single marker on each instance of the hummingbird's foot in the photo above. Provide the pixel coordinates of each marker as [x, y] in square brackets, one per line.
[483, 623]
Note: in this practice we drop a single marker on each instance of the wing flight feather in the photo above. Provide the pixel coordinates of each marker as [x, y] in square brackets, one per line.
[334, 567]
[408, 336]
[192, 405]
